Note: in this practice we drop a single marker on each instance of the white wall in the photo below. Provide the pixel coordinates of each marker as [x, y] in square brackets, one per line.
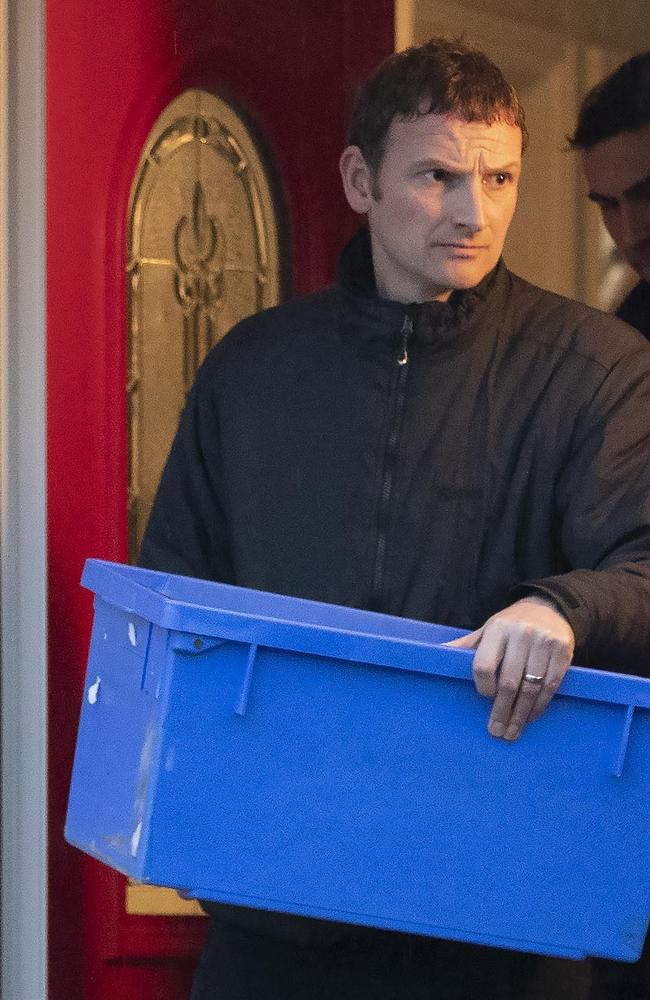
[22, 501]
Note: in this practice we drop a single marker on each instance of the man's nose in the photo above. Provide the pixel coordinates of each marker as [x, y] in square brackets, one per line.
[469, 209]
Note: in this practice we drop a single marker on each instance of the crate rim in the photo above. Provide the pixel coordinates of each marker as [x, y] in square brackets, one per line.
[118, 585]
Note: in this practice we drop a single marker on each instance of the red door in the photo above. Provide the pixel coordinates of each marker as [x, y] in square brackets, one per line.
[111, 69]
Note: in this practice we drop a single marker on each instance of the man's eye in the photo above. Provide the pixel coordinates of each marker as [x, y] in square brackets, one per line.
[500, 180]
[436, 174]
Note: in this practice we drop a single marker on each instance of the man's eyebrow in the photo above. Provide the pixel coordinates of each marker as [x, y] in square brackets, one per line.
[431, 164]
[506, 168]
[639, 187]
[455, 168]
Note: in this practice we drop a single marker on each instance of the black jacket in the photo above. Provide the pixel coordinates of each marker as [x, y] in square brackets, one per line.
[435, 461]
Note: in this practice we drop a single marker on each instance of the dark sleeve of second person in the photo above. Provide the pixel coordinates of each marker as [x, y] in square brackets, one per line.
[603, 497]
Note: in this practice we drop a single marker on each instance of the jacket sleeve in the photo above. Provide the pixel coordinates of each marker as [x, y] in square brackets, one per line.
[603, 498]
[187, 529]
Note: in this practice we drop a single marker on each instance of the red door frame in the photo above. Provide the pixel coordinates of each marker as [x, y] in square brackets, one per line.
[111, 69]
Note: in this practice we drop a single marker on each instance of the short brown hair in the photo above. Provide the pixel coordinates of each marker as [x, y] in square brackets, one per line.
[446, 77]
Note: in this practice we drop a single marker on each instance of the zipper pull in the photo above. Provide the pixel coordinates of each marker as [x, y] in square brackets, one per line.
[406, 331]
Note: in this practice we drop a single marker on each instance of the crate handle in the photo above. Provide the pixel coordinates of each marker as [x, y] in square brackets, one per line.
[619, 760]
[242, 702]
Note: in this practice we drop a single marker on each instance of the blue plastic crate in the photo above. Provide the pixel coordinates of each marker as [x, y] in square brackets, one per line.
[319, 760]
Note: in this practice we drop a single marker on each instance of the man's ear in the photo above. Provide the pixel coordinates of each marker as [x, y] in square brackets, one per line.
[357, 179]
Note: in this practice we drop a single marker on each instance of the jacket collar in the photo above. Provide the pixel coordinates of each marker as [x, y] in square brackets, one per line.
[442, 326]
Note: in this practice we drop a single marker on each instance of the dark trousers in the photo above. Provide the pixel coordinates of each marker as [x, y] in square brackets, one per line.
[620, 980]
[370, 965]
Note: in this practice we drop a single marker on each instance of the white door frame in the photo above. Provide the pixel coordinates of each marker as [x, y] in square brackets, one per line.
[23, 658]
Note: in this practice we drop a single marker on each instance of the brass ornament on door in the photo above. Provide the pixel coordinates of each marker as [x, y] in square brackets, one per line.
[203, 252]
[199, 255]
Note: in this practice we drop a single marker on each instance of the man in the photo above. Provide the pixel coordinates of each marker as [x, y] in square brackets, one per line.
[613, 136]
[434, 438]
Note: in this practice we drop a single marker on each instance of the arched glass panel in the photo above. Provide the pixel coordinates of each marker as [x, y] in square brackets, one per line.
[203, 253]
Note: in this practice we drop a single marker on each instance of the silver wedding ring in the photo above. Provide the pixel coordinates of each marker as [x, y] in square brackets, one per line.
[533, 678]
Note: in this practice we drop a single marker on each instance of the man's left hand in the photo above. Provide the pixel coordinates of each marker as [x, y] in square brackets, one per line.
[522, 655]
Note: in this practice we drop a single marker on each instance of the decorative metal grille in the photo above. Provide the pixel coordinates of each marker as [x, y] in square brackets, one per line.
[203, 253]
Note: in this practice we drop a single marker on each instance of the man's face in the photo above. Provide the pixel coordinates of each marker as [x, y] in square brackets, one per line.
[618, 175]
[440, 205]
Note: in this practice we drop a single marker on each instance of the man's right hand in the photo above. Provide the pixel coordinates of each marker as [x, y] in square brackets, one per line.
[522, 654]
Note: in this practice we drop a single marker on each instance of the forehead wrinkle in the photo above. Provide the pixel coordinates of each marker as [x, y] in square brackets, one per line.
[457, 146]
[454, 127]
[496, 164]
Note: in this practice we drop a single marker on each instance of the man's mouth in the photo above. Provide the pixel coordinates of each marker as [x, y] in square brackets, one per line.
[468, 247]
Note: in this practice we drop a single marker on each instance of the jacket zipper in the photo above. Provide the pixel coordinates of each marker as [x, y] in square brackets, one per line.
[390, 460]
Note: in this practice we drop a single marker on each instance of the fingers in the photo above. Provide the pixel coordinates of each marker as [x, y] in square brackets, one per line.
[524, 670]
[508, 689]
[547, 664]
[490, 648]
[527, 683]
[469, 641]
[527, 697]
[489, 655]
[521, 658]
[554, 677]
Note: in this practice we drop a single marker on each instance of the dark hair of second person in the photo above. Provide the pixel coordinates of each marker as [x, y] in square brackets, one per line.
[619, 103]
